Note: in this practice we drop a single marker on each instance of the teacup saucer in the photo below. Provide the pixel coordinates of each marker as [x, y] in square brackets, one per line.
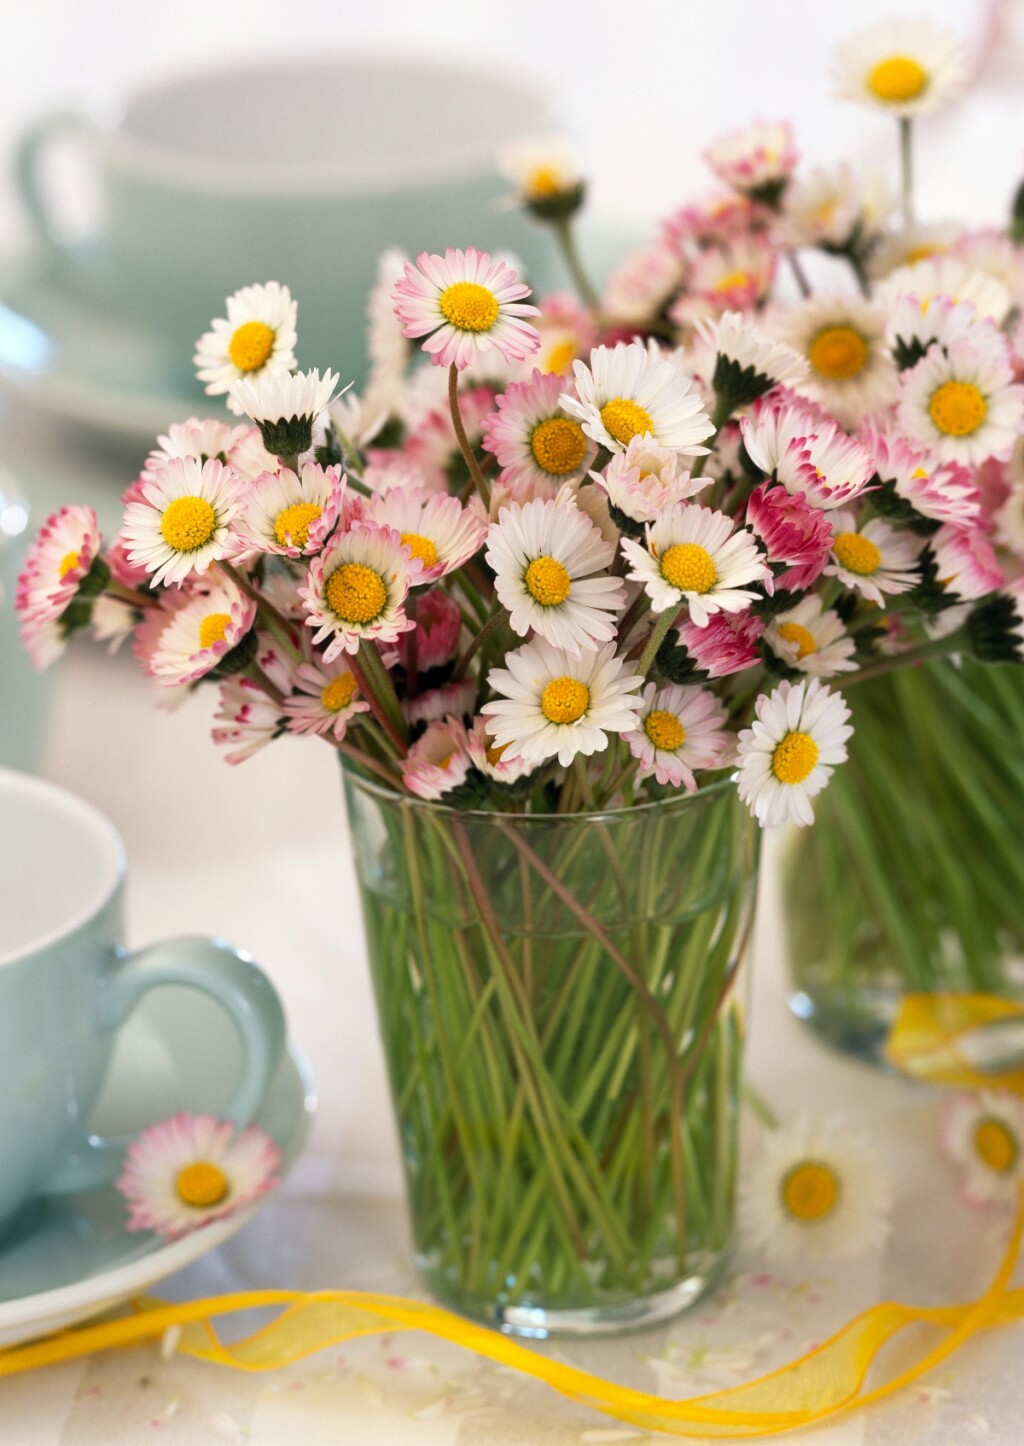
[77, 363]
[178, 1051]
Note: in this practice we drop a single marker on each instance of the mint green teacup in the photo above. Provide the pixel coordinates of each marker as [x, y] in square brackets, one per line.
[299, 171]
[67, 984]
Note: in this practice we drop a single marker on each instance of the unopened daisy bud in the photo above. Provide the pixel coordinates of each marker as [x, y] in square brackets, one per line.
[284, 407]
[995, 628]
[546, 176]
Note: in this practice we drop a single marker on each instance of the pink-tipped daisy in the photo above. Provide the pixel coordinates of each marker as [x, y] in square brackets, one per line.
[56, 565]
[356, 589]
[550, 564]
[464, 303]
[965, 563]
[248, 718]
[645, 479]
[789, 753]
[289, 514]
[938, 491]
[631, 390]
[532, 438]
[950, 279]
[698, 558]
[439, 532]
[326, 699]
[257, 338]
[796, 537]
[193, 631]
[728, 644]
[198, 437]
[183, 522]
[873, 559]
[437, 762]
[828, 467]
[681, 730]
[190, 1170]
[756, 161]
[490, 760]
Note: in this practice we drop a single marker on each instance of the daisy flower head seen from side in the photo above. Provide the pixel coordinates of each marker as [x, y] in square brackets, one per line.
[58, 564]
[190, 1170]
[787, 756]
[438, 762]
[356, 589]
[843, 339]
[198, 437]
[795, 537]
[962, 404]
[907, 67]
[642, 481]
[196, 630]
[439, 532]
[983, 1134]
[291, 514]
[811, 639]
[873, 559]
[681, 731]
[631, 390]
[533, 439]
[247, 718]
[949, 279]
[257, 338]
[815, 1191]
[465, 303]
[546, 174]
[550, 563]
[325, 700]
[182, 522]
[756, 161]
[552, 705]
[284, 407]
[748, 362]
[697, 557]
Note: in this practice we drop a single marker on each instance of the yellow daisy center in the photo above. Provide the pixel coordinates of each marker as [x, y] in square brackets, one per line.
[803, 637]
[624, 420]
[564, 700]
[732, 281]
[188, 523]
[547, 582]
[664, 730]
[67, 562]
[420, 547]
[251, 345]
[957, 408]
[338, 693]
[689, 567]
[794, 757]
[856, 553]
[996, 1145]
[469, 306]
[810, 1190]
[293, 524]
[558, 445]
[495, 753]
[898, 78]
[838, 352]
[543, 182]
[201, 1184]
[355, 593]
[212, 629]
[924, 252]
[561, 356]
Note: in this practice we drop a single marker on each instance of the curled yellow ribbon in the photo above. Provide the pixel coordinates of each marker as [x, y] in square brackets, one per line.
[967, 1041]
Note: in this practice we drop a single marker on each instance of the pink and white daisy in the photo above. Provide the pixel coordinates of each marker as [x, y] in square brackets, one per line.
[681, 730]
[911, 329]
[192, 631]
[873, 559]
[439, 761]
[550, 572]
[962, 404]
[552, 705]
[532, 438]
[757, 161]
[289, 514]
[984, 1134]
[951, 279]
[256, 339]
[326, 699]
[183, 521]
[201, 438]
[439, 532]
[453, 700]
[787, 756]
[645, 479]
[939, 491]
[642, 283]
[435, 637]
[735, 276]
[248, 456]
[965, 563]
[775, 422]
[57, 563]
[697, 557]
[464, 303]
[795, 536]
[249, 719]
[810, 638]
[728, 644]
[631, 390]
[190, 1170]
[356, 588]
[490, 760]
[828, 467]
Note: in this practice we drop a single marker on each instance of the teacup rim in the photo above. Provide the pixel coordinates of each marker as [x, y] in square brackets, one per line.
[164, 166]
[13, 781]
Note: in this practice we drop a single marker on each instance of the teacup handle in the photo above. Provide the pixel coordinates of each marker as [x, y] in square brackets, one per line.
[31, 149]
[227, 976]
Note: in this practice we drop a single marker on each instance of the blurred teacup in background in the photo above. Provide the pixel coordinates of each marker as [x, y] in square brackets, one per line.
[24, 692]
[301, 171]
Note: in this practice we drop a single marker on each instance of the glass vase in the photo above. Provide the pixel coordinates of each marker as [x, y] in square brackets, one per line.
[561, 1005]
[912, 878]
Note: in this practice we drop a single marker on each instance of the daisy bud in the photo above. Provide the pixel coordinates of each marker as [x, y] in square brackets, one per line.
[995, 628]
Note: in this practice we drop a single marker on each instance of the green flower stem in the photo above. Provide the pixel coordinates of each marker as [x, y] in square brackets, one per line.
[391, 737]
[655, 641]
[906, 170]
[494, 623]
[478, 478]
[799, 274]
[382, 684]
[923, 653]
[567, 245]
[276, 623]
[131, 595]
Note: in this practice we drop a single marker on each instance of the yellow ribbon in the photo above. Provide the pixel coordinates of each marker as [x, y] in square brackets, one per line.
[960, 1040]
[928, 1041]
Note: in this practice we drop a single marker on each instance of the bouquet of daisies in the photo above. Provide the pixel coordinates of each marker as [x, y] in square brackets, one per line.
[595, 550]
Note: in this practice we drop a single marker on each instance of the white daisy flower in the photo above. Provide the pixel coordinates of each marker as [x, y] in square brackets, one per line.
[465, 303]
[543, 169]
[951, 278]
[439, 532]
[532, 438]
[326, 699]
[439, 761]
[811, 639]
[632, 389]
[193, 631]
[748, 362]
[839, 206]
[184, 522]
[356, 589]
[906, 67]
[191, 1169]
[962, 403]
[984, 1134]
[843, 340]
[544, 557]
[698, 557]
[814, 1192]
[874, 559]
[285, 407]
[645, 479]
[291, 515]
[557, 706]
[788, 754]
[256, 339]
[681, 730]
